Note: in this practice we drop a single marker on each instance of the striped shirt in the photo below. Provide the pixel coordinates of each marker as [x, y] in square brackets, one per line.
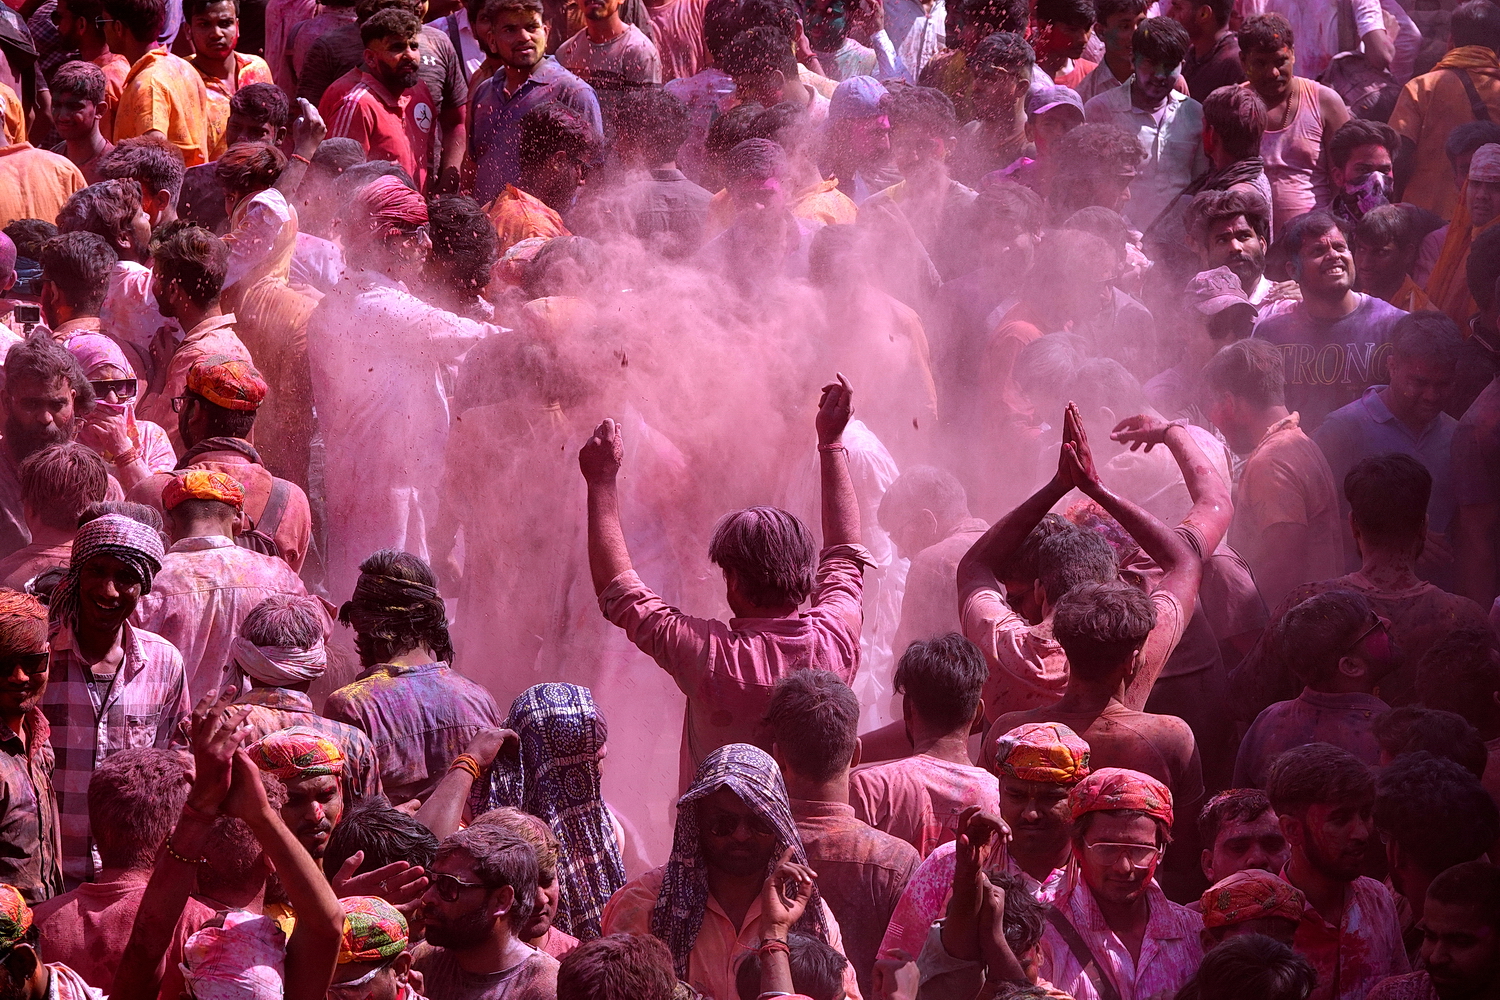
[396, 128]
[91, 720]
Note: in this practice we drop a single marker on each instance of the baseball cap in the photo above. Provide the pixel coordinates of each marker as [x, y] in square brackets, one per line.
[856, 97]
[1041, 100]
[1211, 292]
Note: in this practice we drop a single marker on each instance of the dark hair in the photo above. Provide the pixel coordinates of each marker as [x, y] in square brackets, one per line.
[1233, 805]
[1402, 224]
[153, 161]
[582, 256]
[923, 487]
[1004, 50]
[464, 241]
[1025, 565]
[1437, 811]
[721, 22]
[652, 121]
[1105, 223]
[553, 128]
[1265, 33]
[501, 858]
[79, 78]
[1476, 23]
[761, 49]
[29, 236]
[249, 167]
[1084, 156]
[786, 124]
[142, 18]
[1073, 13]
[838, 251]
[285, 620]
[769, 553]
[730, 129]
[1210, 208]
[41, 359]
[106, 208]
[262, 102]
[59, 481]
[1160, 40]
[220, 421]
[1466, 137]
[144, 513]
[196, 261]
[1221, 9]
[1357, 132]
[335, 156]
[1101, 625]
[386, 835]
[79, 264]
[1248, 369]
[389, 22]
[925, 110]
[813, 718]
[233, 853]
[1005, 206]
[617, 967]
[1412, 728]
[1238, 117]
[1461, 673]
[1106, 9]
[755, 159]
[389, 629]
[134, 797]
[494, 8]
[817, 970]
[942, 679]
[1388, 496]
[1315, 635]
[1308, 227]
[990, 16]
[1251, 967]
[1025, 917]
[1071, 558]
[1474, 883]
[1317, 773]
[1483, 268]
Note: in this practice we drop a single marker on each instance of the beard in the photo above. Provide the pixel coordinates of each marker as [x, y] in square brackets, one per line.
[466, 932]
[27, 440]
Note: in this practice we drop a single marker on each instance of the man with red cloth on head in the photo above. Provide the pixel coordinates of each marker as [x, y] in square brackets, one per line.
[207, 583]
[1251, 901]
[1114, 922]
[311, 766]
[378, 353]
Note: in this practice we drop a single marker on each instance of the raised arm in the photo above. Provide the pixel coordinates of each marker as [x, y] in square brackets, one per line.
[840, 506]
[600, 461]
[1212, 508]
[443, 812]
[308, 131]
[981, 565]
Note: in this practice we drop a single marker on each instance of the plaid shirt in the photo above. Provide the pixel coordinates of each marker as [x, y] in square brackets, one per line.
[275, 709]
[141, 708]
[28, 812]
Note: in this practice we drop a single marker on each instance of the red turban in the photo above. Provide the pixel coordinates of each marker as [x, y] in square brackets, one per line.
[232, 383]
[1111, 788]
[1043, 751]
[202, 484]
[383, 205]
[1248, 895]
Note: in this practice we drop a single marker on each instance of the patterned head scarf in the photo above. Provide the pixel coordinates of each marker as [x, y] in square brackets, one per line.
[1248, 895]
[1043, 751]
[1112, 788]
[243, 960]
[750, 773]
[94, 350]
[135, 544]
[232, 383]
[202, 484]
[374, 930]
[299, 752]
[556, 778]
[15, 916]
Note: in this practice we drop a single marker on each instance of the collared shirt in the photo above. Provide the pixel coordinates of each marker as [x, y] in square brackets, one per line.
[206, 587]
[419, 718]
[919, 798]
[168, 363]
[495, 131]
[1169, 955]
[273, 709]
[1027, 666]
[728, 671]
[34, 183]
[247, 69]
[1172, 137]
[164, 93]
[720, 946]
[387, 126]
[1365, 948]
[668, 210]
[1347, 720]
[861, 872]
[91, 720]
[24, 564]
[29, 857]
[922, 36]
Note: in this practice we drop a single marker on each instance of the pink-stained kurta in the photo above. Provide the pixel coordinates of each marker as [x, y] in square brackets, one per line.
[169, 363]
[1367, 948]
[919, 798]
[1028, 668]
[1170, 952]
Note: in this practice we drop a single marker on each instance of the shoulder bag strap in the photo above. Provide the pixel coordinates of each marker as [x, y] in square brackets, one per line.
[1476, 103]
[276, 503]
[1080, 949]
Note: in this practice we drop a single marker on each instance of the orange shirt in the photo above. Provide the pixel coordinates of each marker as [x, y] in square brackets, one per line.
[163, 93]
[247, 70]
[116, 68]
[518, 216]
[14, 115]
[34, 183]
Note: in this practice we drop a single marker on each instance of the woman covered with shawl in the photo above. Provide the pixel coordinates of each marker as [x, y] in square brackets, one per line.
[135, 448]
[734, 830]
[556, 778]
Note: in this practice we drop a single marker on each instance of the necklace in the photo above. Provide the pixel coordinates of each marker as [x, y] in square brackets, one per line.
[1286, 112]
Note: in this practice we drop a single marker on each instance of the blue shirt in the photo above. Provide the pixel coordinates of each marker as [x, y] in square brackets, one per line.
[495, 134]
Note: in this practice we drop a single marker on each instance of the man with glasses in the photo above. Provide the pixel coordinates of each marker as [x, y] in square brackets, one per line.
[481, 891]
[1114, 932]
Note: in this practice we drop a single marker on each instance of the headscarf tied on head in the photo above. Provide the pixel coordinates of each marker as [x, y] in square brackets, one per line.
[15, 917]
[242, 960]
[751, 774]
[135, 544]
[556, 778]
[279, 666]
[387, 608]
[1250, 895]
[1043, 751]
[1111, 788]
[295, 753]
[383, 206]
[374, 930]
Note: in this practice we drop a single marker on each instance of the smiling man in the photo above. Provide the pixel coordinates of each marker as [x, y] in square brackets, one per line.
[112, 686]
[28, 823]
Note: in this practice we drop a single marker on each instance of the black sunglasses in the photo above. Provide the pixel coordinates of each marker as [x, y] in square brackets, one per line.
[123, 388]
[728, 824]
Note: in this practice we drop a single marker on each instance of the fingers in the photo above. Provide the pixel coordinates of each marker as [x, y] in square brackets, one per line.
[348, 868]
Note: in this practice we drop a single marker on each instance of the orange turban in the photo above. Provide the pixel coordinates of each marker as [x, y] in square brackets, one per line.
[1248, 895]
[202, 484]
[295, 753]
[232, 383]
[1043, 751]
[1111, 788]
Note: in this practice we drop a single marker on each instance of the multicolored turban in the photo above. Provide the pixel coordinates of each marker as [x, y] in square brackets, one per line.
[15, 916]
[295, 753]
[374, 930]
[1249, 895]
[242, 960]
[232, 383]
[202, 484]
[382, 207]
[1111, 788]
[1042, 751]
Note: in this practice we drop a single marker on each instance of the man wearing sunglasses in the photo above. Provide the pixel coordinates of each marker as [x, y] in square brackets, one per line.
[30, 820]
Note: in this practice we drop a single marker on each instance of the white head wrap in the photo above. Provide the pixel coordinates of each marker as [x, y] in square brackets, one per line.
[279, 666]
[243, 960]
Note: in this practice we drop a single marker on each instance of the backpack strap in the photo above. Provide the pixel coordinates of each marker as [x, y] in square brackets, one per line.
[276, 504]
[1476, 104]
[1102, 986]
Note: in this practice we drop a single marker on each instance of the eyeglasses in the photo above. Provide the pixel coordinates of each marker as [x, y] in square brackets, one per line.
[123, 388]
[178, 402]
[1109, 855]
[31, 664]
[728, 824]
[100, 22]
[448, 887]
[1380, 623]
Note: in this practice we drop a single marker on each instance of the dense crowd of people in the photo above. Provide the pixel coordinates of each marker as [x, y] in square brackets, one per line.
[1047, 452]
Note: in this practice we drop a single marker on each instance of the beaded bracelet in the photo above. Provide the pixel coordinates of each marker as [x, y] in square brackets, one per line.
[178, 857]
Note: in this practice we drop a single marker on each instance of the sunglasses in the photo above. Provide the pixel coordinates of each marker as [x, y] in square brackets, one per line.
[1378, 624]
[123, 388]
[448, 887]
[178, 402]
[728, 824]
[1109, 855]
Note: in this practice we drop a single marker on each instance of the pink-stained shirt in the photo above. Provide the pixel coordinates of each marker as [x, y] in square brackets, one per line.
[926, 896]
[395, 127]
[1028, 668]
[282, 16]
[1170, 952]
[130, 314]
[23, 564]
[169, 363]
[928, 607]
[206, 587]
[557, 943]
[728, 671]
[1351, 959]
[919, 798]
[720, 946]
